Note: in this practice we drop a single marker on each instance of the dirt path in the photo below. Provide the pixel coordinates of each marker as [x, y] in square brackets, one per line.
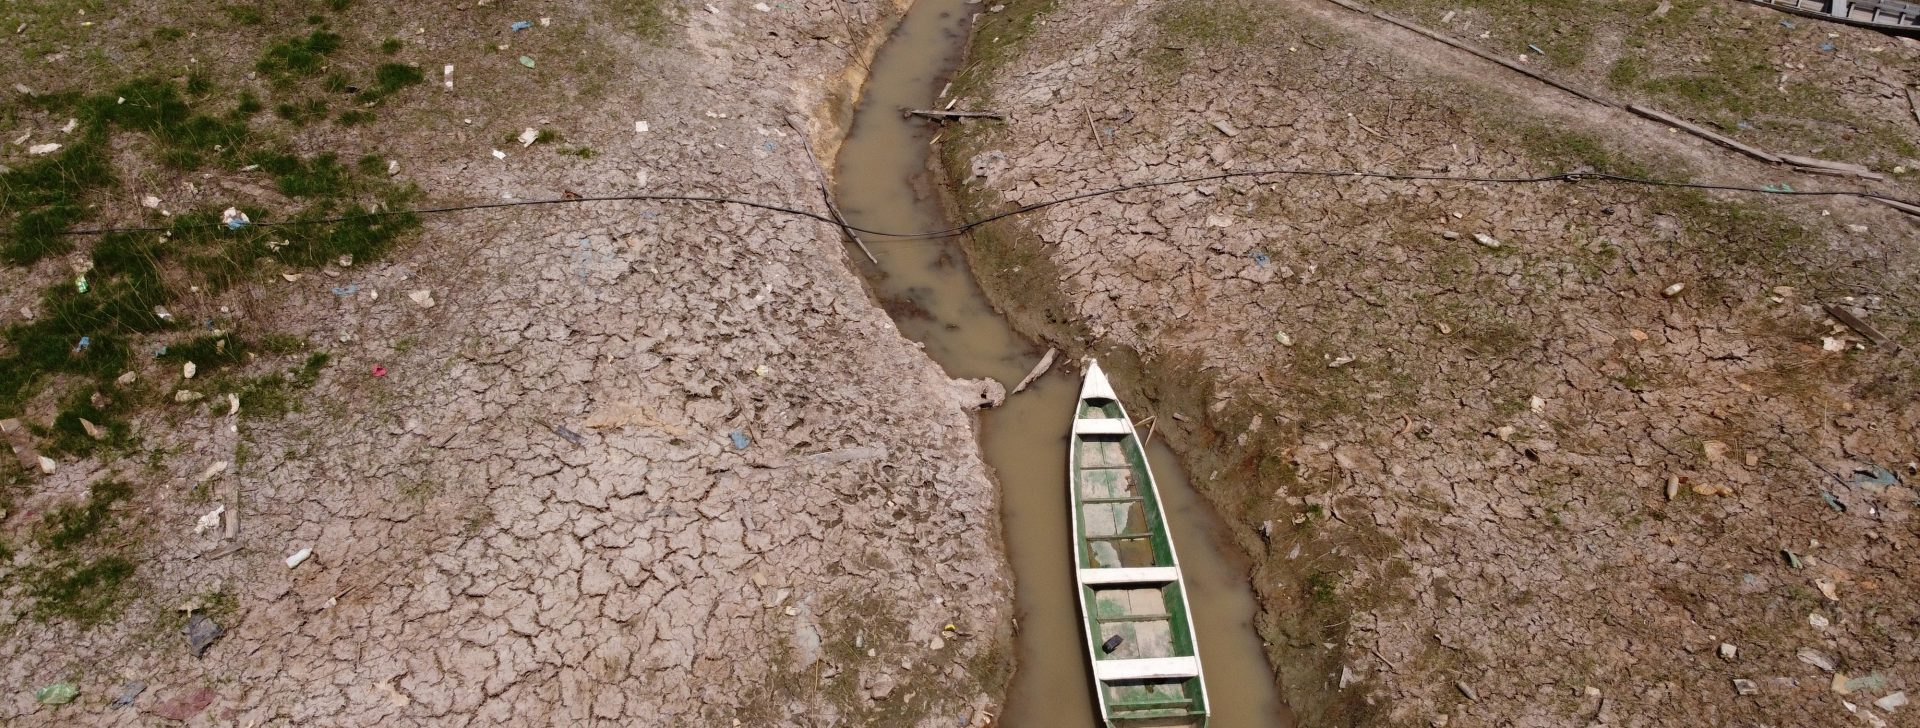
[636, 465]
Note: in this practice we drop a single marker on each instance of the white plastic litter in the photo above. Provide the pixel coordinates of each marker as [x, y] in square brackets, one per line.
[528, 136]
[210, 520]
[448, 75]
[497, 154]
[641, 126]
[188, 369]
[298, 557]
[423, 297]
[47, 148]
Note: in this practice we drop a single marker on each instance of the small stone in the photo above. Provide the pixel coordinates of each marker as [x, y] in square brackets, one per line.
[1892, 701]
[1745, 687]
[1638, 335]
[1816, 658]
[189, 369]
[422, 297]
[528, 136]
[1591, 691]
[1728, 651]
[1673, 487]
[1440, 721]
[1832, 344]
[1449, 235]
[126, 378]
[186, 395]
[1827, 589]
[1466, 690]
[47, 465]
[1486, 240]
[1818, 620]
[1673, 290]
[937, 643]
[1340, 361]
[1283, 338]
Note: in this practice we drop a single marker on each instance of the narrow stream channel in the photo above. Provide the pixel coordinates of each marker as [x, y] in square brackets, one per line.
[884, 182]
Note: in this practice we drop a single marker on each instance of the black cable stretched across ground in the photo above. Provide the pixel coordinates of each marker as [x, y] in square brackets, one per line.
[930, 234]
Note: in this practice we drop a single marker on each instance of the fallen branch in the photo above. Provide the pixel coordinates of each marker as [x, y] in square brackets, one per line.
[1696, 130]
[937, 114]
[1859, 326]
[1046, 362]
[826, 194]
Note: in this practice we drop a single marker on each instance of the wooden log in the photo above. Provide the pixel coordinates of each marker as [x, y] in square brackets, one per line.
[939, 114]
[1841, 314]
[1517, 68]
[1046, 362]
[1841, 167]
[1696, 130]
[820, 173]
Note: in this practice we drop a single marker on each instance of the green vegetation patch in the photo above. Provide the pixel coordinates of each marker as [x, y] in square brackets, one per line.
[73, 524]
[295, 58]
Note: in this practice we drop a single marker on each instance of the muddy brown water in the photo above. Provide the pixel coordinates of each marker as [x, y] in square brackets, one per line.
[884, 182]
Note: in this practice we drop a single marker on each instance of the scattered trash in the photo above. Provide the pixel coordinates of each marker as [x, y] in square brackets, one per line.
[91, 429]
[346, 290]
[56, 694]
[379, 371]
[528, 136]
[1535, 49]
[1832, 345]
[519, 25]
[1466, 690]
[1792, 558]
[150, 202]
[1486, 240]
[1673, 290]
[1673, 487]
[82, 344]
[1261, 259]
[447, 75]
[393, 167]
[299, 557]
[1788, 24]
[234, 219]
[233, 404]
[345, 261]
[641, 127]
[1728, 651]
[201, 631]
[1745, 687]
[1816, 658]
[1832, 501]
[1712, 489]
[740, 440]
[47, 465]
[1818, 620]
[186, 395]
[1283, 338]
[497, 154]
[189, 369]
[1743, 126]
[1226, 128]
[570, 436]
[423, 297]
[80, 283]
[1112, 643]
[1826, 47]
[762, 7]
[47, 148]
[210, 520]
[1892, 701]
[526, 61]
[129, 693]
[1449, 235]
[1340, 361]
[292, 277]
[126, 378]
[161, 312]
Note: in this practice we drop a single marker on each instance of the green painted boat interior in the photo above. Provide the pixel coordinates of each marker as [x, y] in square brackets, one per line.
[1122, 527]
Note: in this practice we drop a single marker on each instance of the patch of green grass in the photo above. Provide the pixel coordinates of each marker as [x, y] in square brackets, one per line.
[581, 152]
[208, 353]
[273, 396]
[103, 406]
[1213, 24]
[84, 591]
[647, 20]
[303, 113]
[73, 524]
[244, 14]
[355, 117]
[1322, 587]
[391, 46]
[293, 58]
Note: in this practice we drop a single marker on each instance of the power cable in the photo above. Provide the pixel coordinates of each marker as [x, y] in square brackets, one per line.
[1574, 177]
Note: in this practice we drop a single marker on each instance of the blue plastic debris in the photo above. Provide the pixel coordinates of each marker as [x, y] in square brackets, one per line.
[1833, 502]
[520, 25]
[1744, 126]
[1261, 259]
[85, 341]
[1782, 187]
[1874, 475]
[1826, 47]
[740, 441]
[346, 290]
[160, 352]
[1536, 49]
[768, 145]
[1788, 24]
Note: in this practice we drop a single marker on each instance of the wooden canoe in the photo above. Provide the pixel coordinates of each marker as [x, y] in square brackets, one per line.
[1139, 630]
[1893, 16]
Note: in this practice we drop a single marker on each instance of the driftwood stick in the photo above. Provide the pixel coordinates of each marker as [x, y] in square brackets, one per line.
[1914, 104]
[826, 194]
[1046, 362]
[1859, 326]
[938, 114]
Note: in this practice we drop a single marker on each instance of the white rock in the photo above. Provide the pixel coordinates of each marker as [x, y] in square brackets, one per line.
[1818, 620]
[423, 297]
[47, 465]
[298, 557]
[1890, 702]
[1728, 651]
[188, 369]
[1486, 240]
[1673, 290]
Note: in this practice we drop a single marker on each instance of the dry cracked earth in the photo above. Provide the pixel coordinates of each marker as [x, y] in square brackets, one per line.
[1612, 464]
[638, 464]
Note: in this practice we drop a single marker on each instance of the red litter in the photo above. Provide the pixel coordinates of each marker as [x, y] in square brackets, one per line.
[379, 371]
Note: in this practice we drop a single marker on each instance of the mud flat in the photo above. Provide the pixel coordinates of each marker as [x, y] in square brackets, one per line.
[639, 464]
[1452, 459]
